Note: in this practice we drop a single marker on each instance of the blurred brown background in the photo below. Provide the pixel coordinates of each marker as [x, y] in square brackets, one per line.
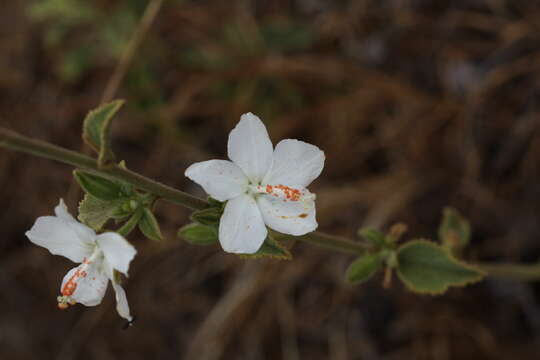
[418, 104]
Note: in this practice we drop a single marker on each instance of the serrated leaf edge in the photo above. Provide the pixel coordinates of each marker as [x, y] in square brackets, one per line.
[481, 274]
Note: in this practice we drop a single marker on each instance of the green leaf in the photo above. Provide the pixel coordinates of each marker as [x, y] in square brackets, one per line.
[208, 216]
[455, 230]
[270, 248]
[149, 225]
[197, 234]
[363, 268]
[97, 128]
[99, 187]
[95, 212]
[374, 237]
[425, 267]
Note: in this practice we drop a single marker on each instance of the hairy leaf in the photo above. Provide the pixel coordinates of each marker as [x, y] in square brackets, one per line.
[97, 128]
[96, 212]
[426, 267]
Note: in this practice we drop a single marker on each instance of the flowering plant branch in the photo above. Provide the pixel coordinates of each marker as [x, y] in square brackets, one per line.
[11, 140]
[257, 200]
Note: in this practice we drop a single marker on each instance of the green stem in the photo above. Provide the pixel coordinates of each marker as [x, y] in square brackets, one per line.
[14, 141]
[333, 242]
[521, 272]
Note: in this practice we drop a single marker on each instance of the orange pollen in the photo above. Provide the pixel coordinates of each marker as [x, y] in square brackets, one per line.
[269, 189]
[290, 193]
[304, 215]
[63, 306]
[71, 285]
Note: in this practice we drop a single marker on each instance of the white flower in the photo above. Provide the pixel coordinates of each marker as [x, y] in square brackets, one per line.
[262, 186]
[99, 256]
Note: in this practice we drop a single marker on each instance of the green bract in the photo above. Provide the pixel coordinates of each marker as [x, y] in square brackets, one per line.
[198, 234]
[208, 216]
[149, 225]
[96, 130]
[425, 267]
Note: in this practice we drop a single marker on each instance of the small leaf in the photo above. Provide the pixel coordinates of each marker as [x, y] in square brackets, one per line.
[208, 216]
[99, 187]
[198, 234]
[270, 248]
[426, 267]
[149, 225]
[96, 130]
[374, 237]
[363, 268]
[95, 212]
[455, 230]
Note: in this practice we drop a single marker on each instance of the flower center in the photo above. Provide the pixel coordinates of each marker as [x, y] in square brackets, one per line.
[282, 192]
[71, 284]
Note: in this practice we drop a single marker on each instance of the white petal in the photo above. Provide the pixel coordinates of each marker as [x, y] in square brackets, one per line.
[241, 229]
[61, 212]
[91, 287]
[295, 163]
[62, 237]
[250, 147]
[221, 179]
[288, 217]
[122, 305]
[118, 251]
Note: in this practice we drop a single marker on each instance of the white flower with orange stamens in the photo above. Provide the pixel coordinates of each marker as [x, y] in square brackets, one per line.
[262, 186]
[99, 255]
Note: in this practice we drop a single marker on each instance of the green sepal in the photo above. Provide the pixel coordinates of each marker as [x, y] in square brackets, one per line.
[215, 203]
[97, 128]
[455, 230]
[96, 212]
[373, 236]
[209, 216]
[132, 222]
[149, 226]
[100, 187]
[425, 267]
[197, 234]
[363, 268]
[270, 248]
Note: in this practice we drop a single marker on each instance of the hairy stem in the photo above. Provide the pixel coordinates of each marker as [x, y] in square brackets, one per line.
[14, 141]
